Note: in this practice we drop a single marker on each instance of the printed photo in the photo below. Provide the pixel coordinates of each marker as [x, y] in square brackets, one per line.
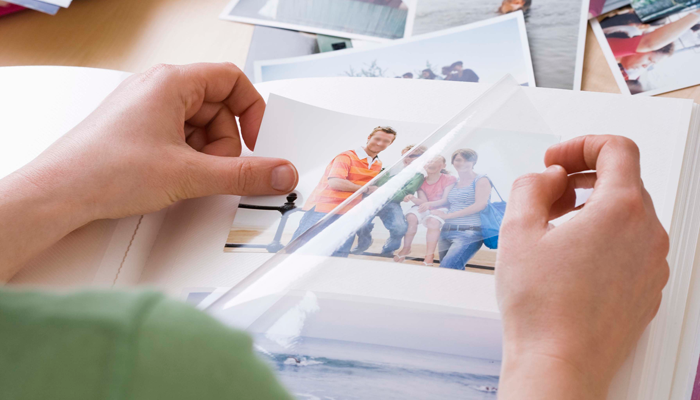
[437, 199]
[650, 10]
[480, 52]
[651, 58]
[325, 347]
[378, 20]
[553, 28]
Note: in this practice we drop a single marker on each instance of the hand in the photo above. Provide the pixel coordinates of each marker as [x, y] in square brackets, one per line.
[438, 213]
[424, 207]
[164, 135]
[371, 189]
[408, 197]
[575, 299]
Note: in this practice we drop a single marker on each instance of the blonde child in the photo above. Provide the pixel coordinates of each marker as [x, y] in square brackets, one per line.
[432, 195]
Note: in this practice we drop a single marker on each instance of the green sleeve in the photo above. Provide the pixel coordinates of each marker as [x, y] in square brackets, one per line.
[409, 188]
[113, 346]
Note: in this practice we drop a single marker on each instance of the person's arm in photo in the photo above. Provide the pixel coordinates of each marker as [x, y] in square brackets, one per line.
[420, 198]
[409, 188]
[338, 176]
[668, 33]
[481, 200]
[439, 203]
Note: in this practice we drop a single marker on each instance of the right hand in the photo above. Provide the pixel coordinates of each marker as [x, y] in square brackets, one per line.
[575, 299]
[371, 189]
[424, 207]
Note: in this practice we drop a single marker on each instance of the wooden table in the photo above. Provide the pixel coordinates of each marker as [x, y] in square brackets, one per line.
[131, 35]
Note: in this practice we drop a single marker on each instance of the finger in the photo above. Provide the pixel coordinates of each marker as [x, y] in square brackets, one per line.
[223, 83]
[222, 138]
[532, 197]
[227, 84]
[567, 202]
[614, 158]
[240, 176]
[196, 137]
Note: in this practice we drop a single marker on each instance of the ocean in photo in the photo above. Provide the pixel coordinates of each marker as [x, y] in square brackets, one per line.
[319, 369]
[552, 30]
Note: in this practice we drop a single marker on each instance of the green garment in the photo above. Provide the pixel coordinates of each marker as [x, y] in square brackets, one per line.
[410, 187]
[123, 346]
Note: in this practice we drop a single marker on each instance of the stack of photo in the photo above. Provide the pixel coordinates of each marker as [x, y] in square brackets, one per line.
[539, 42]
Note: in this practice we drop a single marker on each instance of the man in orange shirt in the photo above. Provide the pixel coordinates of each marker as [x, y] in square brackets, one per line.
[346, 174]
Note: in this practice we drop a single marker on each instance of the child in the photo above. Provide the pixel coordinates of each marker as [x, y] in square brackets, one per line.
[431, 195]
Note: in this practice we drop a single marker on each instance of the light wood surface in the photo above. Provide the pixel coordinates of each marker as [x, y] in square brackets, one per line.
[132, 35]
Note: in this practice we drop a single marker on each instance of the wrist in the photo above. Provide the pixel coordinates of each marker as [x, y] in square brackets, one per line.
[540, 376]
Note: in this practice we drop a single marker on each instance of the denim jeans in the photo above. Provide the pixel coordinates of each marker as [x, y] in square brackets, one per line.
[310, 218]
[456, 248]
[394, 221]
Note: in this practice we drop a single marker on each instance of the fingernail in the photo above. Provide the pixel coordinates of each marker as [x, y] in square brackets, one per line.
[284, 177]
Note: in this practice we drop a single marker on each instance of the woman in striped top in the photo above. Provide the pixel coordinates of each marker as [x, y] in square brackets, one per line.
[461, 237]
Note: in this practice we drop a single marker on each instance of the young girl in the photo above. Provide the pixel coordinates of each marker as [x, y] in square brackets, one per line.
[432, 195]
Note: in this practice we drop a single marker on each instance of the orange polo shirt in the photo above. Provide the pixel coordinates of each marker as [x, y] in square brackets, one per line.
[348, 166]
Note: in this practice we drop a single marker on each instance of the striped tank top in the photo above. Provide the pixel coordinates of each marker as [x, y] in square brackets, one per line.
[461, 198]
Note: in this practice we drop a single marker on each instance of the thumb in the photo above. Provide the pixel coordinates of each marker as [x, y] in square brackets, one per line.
[244, 176]
[532, 196]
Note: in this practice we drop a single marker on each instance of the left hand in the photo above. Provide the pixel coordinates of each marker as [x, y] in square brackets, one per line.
[408, 197]
[164, 135]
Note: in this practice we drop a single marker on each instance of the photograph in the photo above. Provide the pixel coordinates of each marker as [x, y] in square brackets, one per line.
[377, 20]
[480, 52]
[650, 10]
[552, 30]
[650, 58]
[325, 347]
[430, 204]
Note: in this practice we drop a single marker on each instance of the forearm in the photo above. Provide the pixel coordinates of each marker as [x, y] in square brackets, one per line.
[667, 34]
[32, 218]
[343, 185]
[472, 209]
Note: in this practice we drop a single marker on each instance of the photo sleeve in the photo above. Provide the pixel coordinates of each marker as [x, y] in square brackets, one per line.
[340, 167]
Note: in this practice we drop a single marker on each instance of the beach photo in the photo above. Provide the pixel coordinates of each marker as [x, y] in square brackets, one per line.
[482, 52]
[324, 346]
[377, 20]
[553, 28]
[650, 58]
[427, 202]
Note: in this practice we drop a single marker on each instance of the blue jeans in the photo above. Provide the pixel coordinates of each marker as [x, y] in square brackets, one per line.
[310, 218]
[394, 221]
[456, 248]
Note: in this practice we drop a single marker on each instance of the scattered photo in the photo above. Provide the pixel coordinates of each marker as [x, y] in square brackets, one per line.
[651, 58]
[480, 52]
[377, 20]
[600, 7]
[432, 213]
[650, 10]
[271, 43]
[553, 28]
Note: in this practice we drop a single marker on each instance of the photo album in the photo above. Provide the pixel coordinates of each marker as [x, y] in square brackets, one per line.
[374, 278]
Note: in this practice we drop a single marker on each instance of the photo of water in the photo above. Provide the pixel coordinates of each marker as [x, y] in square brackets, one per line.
[322, 369]
[552, 30]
